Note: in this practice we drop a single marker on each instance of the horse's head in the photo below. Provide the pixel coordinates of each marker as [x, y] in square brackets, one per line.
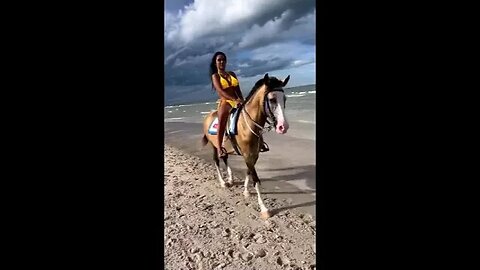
[274, 103]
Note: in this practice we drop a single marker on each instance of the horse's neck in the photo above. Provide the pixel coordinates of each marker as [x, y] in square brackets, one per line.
[255, 109]
[246, 139]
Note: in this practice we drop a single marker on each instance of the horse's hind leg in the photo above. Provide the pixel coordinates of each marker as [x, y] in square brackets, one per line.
[217, 165]
[229, 171]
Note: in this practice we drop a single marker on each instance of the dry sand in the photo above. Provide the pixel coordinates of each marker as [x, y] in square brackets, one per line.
[209, 227]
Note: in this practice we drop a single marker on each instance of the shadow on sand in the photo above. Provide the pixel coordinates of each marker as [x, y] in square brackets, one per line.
[307, 173]
[278, 210]
[286, 192]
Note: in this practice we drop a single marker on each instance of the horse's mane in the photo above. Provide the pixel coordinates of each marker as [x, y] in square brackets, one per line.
[254, 89]
[273, 82]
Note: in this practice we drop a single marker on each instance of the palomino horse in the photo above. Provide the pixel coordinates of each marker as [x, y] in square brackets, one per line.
[265, 102]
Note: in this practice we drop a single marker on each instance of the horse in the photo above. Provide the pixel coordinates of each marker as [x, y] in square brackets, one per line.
[265, 103]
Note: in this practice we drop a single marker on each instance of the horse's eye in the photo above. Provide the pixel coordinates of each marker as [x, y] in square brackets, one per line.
[273, 100]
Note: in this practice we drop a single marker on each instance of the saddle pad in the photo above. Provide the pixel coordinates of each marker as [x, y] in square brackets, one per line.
[232, 124]
[212, 130]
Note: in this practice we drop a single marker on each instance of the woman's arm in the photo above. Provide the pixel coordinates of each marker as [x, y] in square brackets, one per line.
[218, 87]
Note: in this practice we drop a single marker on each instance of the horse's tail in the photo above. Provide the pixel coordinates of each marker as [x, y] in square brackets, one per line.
[204, 140]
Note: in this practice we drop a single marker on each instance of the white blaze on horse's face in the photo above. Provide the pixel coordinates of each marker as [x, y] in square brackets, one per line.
[277, 105]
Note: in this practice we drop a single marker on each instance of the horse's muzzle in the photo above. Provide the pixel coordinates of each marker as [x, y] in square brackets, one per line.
[281, 128]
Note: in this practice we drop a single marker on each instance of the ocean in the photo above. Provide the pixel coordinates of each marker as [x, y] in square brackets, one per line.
[300, 111]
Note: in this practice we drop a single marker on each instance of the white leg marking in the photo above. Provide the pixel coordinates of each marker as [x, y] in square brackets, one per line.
[230, 177]
[245, 192]
[260, 201]
[219, 174]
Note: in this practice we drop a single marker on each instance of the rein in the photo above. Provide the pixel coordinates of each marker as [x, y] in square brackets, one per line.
[268, 113]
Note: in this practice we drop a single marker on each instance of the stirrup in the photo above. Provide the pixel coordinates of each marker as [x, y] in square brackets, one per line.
[264, 147]
[223, 152]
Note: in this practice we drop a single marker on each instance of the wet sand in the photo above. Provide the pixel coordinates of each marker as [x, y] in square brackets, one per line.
[287, 171]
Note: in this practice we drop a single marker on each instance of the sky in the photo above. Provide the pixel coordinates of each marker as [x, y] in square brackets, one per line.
[258, 36]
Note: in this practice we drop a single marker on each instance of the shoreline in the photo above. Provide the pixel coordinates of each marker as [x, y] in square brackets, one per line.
[287, 90]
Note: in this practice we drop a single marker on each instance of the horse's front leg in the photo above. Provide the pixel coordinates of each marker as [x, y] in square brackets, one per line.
[264, 213]
[247, 178]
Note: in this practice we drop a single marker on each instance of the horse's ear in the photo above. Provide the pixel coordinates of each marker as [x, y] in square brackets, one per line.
[266, 80]
[286, 80]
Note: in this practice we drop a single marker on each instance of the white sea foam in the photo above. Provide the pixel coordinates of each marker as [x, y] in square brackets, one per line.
[204, 112]
[312, 92]
[306, 121]
[295, 95]
[180, 105]
[173, 119]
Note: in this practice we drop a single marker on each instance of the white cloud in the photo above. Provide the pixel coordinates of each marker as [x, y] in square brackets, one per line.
[287, 50]
[280, 29]
[204, 18]
[268, 31]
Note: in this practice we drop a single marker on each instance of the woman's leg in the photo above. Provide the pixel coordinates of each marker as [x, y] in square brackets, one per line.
[223, 111]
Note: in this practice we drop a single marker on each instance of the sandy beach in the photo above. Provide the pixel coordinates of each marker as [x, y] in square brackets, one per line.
[209, 227]
[287, 172]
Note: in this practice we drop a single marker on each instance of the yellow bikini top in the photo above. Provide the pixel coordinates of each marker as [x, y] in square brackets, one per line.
[225, 83]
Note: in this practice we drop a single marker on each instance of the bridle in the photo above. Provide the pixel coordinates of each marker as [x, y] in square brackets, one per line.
[266, 103]
[269, 114]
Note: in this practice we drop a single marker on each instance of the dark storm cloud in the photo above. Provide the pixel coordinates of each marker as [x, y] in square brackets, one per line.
[176, 4]
[259, 67]
[242, 29]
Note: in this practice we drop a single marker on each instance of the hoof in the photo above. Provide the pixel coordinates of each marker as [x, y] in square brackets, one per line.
[246, 194]
[265, 215]
[229, 184]
[222, 185]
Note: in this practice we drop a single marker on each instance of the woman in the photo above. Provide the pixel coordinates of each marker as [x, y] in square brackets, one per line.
[227, 86]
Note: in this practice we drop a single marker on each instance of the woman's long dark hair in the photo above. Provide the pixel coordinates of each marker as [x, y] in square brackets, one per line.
[213, 65]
